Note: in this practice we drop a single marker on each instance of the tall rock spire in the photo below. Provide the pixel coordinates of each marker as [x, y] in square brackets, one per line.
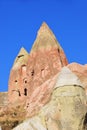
[46, 58]
[45, 61]
[18, 76]
[45, 39]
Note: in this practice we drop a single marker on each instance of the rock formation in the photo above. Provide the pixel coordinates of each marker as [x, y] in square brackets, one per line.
[30, 71]
[18, 77]
[3, 99]
[45, 92]
[65, 111]
[81, 72]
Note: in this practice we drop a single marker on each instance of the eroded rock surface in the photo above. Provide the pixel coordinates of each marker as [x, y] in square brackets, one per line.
[66, 109]
[3, 99]
[17, 78]
[31, 71]
[81, 72]
[44, 92]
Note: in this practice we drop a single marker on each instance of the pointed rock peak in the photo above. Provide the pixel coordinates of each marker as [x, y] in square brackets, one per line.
[44, 27]
[45, 39]
[67, 77]
[21, 58]
[22, 52]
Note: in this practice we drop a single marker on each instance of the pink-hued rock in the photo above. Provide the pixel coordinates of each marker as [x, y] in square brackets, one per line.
[66, 109]
[40, 96]
[81, 72]
[45, 61]
[18, 77]
[29, 72]
[45, 88]
[46, 58]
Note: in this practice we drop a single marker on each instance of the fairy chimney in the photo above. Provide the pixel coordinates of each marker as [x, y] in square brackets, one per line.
[31, 70]
[46, 58]
[17, 80]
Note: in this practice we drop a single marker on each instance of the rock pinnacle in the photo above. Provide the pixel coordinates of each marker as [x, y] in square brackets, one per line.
[45, 39]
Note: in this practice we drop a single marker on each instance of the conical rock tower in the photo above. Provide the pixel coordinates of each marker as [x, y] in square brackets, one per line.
[45, 39]
[30, 71]
[46, 58]
[18, 77]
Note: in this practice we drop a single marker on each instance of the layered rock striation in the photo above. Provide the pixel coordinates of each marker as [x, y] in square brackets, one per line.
[81, 72]
[45, 92]
[65, 111]
[18, 77]
[30, 72]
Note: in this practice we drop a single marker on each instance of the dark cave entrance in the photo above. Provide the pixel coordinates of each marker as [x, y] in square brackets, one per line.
[25, 92]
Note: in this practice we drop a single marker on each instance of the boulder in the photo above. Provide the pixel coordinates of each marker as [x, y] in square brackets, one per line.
[66, 109]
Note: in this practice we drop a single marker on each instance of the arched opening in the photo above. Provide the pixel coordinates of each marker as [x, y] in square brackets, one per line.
[32, 73]
[25, 92]
[25, 80]
[16, 81]
[19, 93]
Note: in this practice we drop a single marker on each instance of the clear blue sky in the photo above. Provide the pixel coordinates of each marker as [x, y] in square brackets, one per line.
[20, 20]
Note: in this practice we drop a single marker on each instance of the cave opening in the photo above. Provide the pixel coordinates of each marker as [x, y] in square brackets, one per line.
[25, 92]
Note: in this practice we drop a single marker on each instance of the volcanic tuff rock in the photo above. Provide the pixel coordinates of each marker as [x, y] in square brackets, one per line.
[81, 72]
[43, 91]
[45, 61]
[65, 111]
[3, 99]
[29, 72]
[45, 40]
[21, 59]
[17, 77]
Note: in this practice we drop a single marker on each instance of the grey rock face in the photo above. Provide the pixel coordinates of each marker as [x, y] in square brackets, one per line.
[67, 77]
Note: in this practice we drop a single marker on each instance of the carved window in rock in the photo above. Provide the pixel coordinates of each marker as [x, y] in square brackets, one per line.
[23, 68]
[32, 73]
[25, 92]
[16, 81]
[25, 81]
[19, 94]
[60, 57]
[20, 56]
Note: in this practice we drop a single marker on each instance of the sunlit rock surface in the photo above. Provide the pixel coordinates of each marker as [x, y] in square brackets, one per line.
[66, 109]
[81, 72]
[44, 91]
